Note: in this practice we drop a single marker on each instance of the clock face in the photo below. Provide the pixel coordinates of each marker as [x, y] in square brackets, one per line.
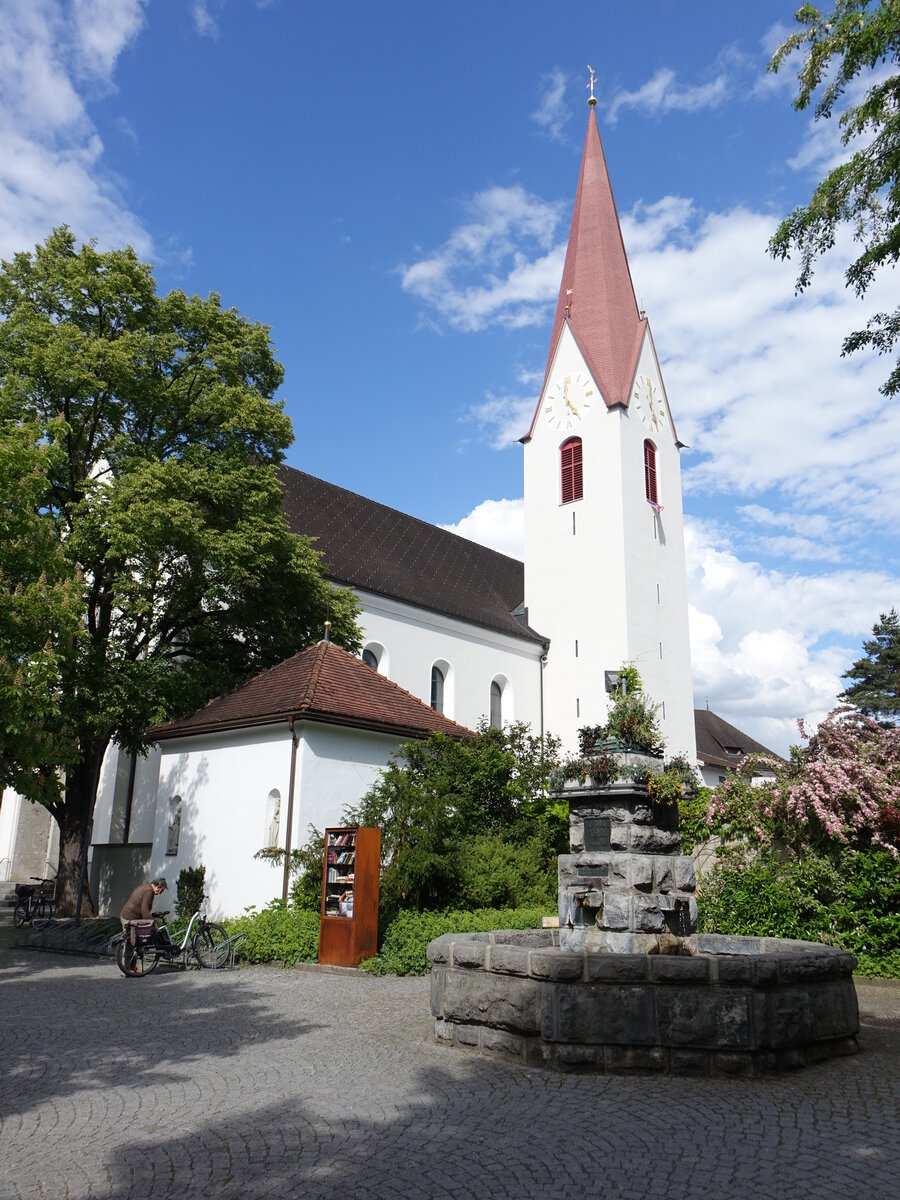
[568, 401]
[650, 403]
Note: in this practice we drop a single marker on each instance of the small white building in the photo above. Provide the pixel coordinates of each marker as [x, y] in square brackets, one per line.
[722, 747]
[296, 744]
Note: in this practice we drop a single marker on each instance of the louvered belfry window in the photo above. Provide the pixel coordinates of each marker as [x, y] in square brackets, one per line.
[650, 472]
[570, 470]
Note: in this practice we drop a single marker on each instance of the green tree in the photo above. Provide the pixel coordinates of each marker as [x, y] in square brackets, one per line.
[875, 689]
[155, 437]
[441, 801]
[39, 614]
[863, 192]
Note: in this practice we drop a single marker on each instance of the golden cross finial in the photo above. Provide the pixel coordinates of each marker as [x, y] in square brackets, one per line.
[593, 99]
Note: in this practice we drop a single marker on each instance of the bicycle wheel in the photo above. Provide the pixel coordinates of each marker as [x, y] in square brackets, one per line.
[137, 961]
[22, 914]
[211, 947]
[40, 917]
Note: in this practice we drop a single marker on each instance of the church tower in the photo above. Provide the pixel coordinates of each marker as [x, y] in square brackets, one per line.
[605, 575]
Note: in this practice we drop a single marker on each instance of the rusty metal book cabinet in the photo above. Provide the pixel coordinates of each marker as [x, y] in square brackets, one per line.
[348, 928]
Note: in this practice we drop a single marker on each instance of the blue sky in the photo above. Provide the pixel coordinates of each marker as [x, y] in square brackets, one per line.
[389, 187]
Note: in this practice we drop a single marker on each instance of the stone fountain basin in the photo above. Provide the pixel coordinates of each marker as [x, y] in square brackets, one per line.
[721, 1005]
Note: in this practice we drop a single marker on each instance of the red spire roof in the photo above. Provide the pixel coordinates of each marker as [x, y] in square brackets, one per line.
[596, 282]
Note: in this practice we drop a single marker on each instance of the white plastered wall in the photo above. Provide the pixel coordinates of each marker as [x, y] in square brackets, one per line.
[656, 578]
[574, 579]
[415, 639]
[224, 781]
[108, 819]
[594, 583]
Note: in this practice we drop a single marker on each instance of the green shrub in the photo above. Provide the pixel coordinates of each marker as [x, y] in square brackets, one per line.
[494, 873]
[280, 933]
[691, 819]
[850, 899]
[305, 869]
[439, 793]
[406, 938]
[306, 889]
[189, 892]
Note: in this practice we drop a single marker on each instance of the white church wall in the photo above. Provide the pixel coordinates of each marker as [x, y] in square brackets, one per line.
[339, 765]
[225, 784]
[416, 639]
[573, 580]
[10, 803]
[223, 781]
[656, 579]
[29, 840]
[110, 810]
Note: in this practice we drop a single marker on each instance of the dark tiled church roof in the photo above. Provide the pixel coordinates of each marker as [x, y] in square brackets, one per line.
[722, 745]
[377, 549]
[322, 683]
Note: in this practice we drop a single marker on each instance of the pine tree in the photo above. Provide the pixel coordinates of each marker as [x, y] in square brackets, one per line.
[876, 687]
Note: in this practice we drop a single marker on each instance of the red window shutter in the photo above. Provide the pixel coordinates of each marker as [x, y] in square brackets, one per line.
[571, 474]
[650, 472]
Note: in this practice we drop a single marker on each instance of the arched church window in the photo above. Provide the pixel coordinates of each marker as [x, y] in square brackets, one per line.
[496, 706]
[572, 484]
[650, 472]
[369, 658]
[437, 689]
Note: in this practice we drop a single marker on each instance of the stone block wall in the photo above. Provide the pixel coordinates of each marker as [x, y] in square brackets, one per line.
[625, 886]
[736, 1006]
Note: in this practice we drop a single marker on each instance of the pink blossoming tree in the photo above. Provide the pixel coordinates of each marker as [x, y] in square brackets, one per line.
[842, 788]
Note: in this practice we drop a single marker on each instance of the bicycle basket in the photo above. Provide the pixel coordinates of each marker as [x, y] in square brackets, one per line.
[141, 932]
[24, 889]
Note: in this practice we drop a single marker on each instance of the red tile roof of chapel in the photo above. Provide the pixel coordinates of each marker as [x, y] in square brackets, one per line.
[323, 683]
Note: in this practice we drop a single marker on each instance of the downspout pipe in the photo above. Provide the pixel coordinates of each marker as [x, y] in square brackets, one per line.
[290, 811]
[541, 666]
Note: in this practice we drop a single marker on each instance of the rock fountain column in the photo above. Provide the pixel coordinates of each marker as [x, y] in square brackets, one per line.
[625, 886]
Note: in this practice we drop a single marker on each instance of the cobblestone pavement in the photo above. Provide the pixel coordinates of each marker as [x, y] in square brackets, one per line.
[271, 1083]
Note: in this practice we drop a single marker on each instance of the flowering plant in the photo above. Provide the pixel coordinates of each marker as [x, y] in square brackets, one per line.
[840, 789]
[601, 768]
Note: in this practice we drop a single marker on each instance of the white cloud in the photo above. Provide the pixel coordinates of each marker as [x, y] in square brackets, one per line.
[500, 267]
[50, 153]
[499, 524]
[204, 21]
[661, 93]
[506, 417]
[552, 112]
[103, 28]
[766, 647]
[753, 372]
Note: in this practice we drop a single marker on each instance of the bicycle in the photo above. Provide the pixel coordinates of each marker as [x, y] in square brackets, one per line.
[142, 946]
[35, 908]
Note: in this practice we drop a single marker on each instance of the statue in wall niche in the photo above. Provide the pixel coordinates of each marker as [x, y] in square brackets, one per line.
[174, 827]
[273, 826]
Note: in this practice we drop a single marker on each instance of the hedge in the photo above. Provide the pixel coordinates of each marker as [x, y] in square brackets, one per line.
[406, 938]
